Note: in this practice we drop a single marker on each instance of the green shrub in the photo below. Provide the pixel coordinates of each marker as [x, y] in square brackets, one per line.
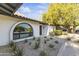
[57, 32]
[43, 53]
[51, 46]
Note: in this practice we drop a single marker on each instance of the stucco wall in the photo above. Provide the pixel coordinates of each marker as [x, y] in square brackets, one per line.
[6, 23]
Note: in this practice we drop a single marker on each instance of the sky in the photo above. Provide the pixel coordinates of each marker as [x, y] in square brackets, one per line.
[32, 10]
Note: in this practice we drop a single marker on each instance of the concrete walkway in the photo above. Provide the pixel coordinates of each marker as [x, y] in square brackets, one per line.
[69, 49]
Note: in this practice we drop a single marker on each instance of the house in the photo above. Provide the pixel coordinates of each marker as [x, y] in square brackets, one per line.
[18, 28]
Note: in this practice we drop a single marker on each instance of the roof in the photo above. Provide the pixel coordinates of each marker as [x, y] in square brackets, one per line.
[10, 8]
[21, 17]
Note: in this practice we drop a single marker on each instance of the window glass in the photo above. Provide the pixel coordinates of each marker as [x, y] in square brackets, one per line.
[22, 30]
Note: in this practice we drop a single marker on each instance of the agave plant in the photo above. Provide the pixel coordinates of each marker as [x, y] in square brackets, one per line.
[51, 46]
[43, 53]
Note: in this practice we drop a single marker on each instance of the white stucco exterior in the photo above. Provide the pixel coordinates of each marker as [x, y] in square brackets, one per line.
[7, 25]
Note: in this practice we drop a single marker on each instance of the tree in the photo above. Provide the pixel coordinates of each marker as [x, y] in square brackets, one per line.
[62, 14]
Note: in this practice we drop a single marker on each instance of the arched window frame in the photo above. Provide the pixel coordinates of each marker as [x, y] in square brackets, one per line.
[12, 29]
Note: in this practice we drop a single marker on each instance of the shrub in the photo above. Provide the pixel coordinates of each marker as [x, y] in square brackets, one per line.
[18, 52]
[56, 42]
[57, 32]
[15, 50]
[26, 41]
[51, 33]
[45, 41]
[77, 41]
[38, 39]
[43, 53]
[51, 46]
[11, 44]
[68, 38]
[37, 45]
[33, 38]
[29, 43]
[64, 33]
[51, 38]
[45, 37]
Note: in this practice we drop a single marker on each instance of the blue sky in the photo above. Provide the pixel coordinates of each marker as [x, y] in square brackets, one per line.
[32, 10]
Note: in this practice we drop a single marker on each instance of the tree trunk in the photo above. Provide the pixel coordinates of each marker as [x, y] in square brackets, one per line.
[57, 28]
[71, 29]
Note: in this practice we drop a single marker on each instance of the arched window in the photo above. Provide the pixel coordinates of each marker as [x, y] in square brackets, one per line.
[22, 30]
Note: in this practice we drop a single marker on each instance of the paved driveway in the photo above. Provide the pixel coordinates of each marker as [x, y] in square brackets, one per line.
[69, 49]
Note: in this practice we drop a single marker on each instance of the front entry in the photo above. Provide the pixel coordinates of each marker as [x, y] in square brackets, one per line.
[40, 30]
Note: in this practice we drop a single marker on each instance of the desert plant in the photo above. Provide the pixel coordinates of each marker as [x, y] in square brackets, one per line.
[26, 41]
[29, 43]
[37, 45]
[45, 41]
[14, 49]
[11, 44]
[18, 52]
[56, 42]
[51, 38]
[51, 33]
[43, 53]
[51, 46]
[45, 37]
[34, 38]
[76, 41]
[68, 38]
[38, 39]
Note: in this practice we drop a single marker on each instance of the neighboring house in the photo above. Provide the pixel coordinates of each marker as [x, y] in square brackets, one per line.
[18, 28]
